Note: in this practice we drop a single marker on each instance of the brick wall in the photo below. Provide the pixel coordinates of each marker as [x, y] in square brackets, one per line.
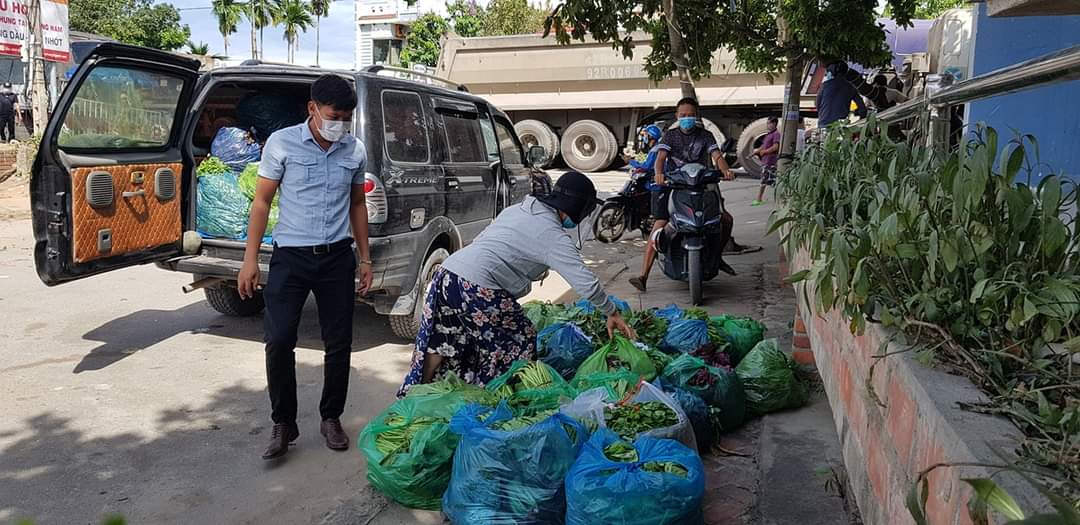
[903, 420]
[8, 154]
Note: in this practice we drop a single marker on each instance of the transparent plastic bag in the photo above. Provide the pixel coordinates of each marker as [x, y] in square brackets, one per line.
[510, 477]
[589, 407]
[602, 490]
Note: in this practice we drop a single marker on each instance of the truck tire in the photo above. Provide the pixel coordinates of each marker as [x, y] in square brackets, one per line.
[406, 326]
[226, 300]
[751, 138]
[536, 133]
[588, 146]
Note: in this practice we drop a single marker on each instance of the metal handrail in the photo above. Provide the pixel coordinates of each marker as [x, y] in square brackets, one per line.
[378, 68]
[1051, 68]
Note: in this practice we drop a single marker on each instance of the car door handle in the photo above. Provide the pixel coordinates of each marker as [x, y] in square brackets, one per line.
[136, 193]
[451, 183]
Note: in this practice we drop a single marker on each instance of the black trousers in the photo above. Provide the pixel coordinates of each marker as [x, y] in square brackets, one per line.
[331, 276]
[7, 127]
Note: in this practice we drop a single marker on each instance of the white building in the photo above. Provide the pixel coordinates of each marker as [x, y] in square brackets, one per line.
[381, 26]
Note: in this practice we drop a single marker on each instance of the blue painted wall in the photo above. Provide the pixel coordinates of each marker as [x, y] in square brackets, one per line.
[1050, 113]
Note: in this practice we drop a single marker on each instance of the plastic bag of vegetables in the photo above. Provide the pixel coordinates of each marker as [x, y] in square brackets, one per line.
[685, 336]
[563, 346]
[648, 412]
[742, 332]
[221, 209]
[619, 383]
[718, 387]
[650, 482]
[669, 313]
[696, 411]
[768, 377]
[530, 386]
[510, 477]
[650, 328]
[586, 307]
[543, 314]
[235, 147]
[620, 352]
[409, 446]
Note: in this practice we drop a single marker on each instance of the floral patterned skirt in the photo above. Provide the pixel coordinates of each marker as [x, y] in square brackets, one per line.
[478, 331]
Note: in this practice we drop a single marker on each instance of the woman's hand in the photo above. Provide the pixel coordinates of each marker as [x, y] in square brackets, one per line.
[615, 321]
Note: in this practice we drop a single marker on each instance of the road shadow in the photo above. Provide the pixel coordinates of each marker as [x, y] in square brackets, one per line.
[139, 330]
[191, 462]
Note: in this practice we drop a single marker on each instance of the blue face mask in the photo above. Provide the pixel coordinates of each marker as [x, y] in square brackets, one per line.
[567, 223]
[687, 123]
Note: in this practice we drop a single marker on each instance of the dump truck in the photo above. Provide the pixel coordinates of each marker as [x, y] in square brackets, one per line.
[584, 102]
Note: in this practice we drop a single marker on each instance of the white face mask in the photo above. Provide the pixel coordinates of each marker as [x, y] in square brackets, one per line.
[332, 130]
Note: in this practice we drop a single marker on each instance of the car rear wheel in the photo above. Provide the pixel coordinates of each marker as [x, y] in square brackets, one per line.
[406, 326]
[536, 133]
[588, 146]
[227, 300]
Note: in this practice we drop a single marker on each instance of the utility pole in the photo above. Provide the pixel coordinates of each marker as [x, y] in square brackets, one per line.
[39, 95]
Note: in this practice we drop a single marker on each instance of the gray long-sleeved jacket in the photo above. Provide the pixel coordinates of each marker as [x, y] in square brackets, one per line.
[523, 242]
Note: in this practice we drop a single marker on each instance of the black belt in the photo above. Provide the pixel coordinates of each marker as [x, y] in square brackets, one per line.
[323, 249]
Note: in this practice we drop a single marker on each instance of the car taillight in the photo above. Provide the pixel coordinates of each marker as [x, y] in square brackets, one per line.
[378, 207]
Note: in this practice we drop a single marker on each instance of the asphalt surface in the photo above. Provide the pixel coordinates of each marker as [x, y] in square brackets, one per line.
[121, 394]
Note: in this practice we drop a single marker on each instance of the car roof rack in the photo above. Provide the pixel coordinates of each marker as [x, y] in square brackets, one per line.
[414, 75]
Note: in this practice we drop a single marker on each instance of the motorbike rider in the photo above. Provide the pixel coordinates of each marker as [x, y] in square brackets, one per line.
[688, 143]
[650, 137]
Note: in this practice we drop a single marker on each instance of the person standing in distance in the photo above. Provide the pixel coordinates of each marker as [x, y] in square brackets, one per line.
[319, 169]
[9, 106]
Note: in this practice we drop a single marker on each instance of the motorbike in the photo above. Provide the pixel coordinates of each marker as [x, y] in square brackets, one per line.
[628, 209]
[690, 247]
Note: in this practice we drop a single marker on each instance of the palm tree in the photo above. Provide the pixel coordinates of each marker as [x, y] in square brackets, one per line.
[228, 13]
[202, 48]
[319, 8]
[261, 14]
[295, 17]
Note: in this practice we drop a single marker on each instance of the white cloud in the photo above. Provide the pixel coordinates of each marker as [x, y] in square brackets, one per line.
[336, 49]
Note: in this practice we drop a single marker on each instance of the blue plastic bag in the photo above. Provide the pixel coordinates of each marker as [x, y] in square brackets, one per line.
[601, 490]
[685, 336]
[696, 411]
[587, 308]
[510, 477]
[563, 346]
[670, 313]
[221, 209]
[236, 148]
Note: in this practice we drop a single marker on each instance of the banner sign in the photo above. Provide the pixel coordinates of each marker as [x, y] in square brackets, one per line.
[15, 33]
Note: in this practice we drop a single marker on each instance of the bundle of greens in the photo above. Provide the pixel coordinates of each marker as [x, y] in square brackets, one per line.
[530, 387]
[211, 166]
[629, 420]
[714, 355]
[650, 327]
[543, 314]
[659, 359]
[618, 383]
[623, 452]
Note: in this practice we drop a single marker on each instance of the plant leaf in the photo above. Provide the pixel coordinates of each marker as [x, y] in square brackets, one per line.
[1041, 519]
[978, 290]
[916, 501]
[999, 500]
[797, 276]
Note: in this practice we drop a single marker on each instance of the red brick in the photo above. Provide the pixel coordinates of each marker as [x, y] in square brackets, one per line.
[801, 341]
[800, 326]
[804, 357]
[901, 421]
[877, 467]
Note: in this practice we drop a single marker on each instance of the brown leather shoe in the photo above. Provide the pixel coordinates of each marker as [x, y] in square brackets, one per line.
[334, 434]
[280, 437]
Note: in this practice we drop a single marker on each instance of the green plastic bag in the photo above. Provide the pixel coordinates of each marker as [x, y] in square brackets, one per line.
[618, 383]
[530, 387]
[742, 332]
[249, 178]
[768, 377]
[409, 446]
[719, 387]
[619, 353]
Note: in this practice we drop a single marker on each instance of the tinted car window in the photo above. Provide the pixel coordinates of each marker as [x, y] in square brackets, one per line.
[404, 127]
[464, 138]
[511, 152]
[491, 143]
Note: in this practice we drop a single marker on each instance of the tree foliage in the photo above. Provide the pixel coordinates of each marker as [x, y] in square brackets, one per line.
[835, 30]
[512, 17]
[422, 44]
[929, 9]
[228, 14]
[465, 17]
[139, 22]
[294, 16]
[202, 48]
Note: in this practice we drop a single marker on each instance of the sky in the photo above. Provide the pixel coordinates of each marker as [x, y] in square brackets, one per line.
[338, 35]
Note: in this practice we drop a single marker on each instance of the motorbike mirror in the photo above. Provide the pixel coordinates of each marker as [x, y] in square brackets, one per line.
[536, 156]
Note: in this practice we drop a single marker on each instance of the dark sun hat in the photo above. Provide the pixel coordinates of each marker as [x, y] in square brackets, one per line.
[573, 194]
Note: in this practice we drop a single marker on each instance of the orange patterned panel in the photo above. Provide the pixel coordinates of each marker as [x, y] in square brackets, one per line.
[137, 223]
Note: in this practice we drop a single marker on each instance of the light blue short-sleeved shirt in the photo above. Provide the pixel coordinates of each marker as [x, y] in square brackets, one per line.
[316, 185]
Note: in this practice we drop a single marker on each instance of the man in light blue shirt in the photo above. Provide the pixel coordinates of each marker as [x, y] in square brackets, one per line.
[318, 167]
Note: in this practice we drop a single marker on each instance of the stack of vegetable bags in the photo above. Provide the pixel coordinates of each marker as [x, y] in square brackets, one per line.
[409, 445]
[650, 482]
[510, 474]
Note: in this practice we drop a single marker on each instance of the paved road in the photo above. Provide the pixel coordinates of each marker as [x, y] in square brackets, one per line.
[122, 394]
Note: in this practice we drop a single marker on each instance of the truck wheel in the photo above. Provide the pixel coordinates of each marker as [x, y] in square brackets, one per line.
[751, 138]
[588, 146]
[406, 326]
[536, 133]
[226, 300]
